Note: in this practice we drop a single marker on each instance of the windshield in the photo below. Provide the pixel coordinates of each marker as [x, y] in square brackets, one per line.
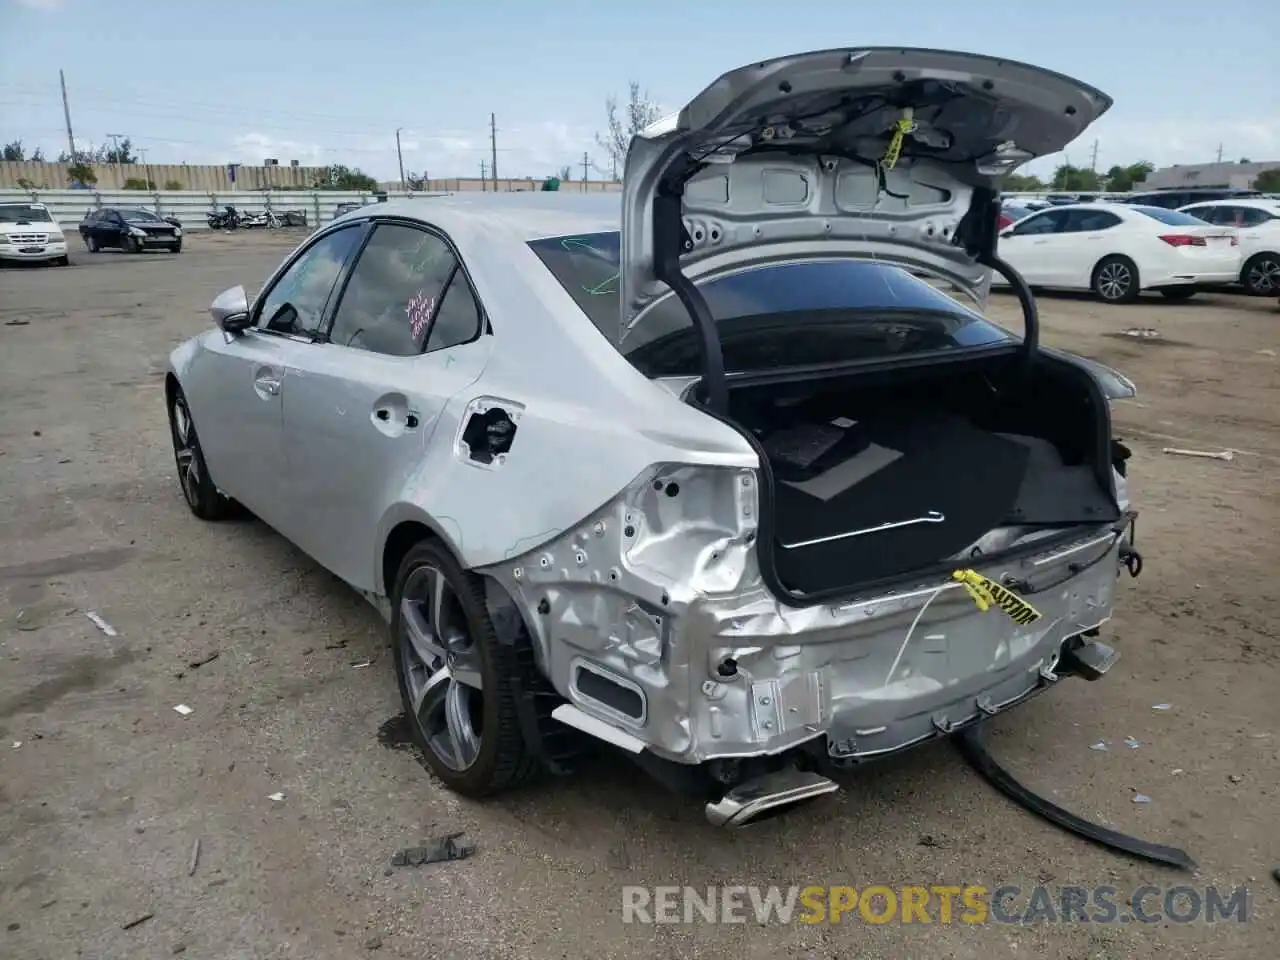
[775, 315]
[18, 212]
[1172, 217]
[139, 216]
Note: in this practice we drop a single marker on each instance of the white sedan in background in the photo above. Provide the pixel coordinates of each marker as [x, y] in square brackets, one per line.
[1119, 250]
[1257, 222]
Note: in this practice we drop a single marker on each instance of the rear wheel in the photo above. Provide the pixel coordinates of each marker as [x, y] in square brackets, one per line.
[1115, 280]
[193, 473]
[1178, 293]
[1261, 274]
[91, 243]
[455, 677]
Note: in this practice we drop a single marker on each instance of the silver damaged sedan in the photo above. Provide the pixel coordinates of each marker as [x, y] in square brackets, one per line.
[714, 471]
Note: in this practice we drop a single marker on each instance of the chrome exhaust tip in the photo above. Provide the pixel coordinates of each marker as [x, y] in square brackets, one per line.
[768, 796]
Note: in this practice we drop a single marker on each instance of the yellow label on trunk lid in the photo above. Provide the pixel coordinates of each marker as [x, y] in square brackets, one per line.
[986, 593]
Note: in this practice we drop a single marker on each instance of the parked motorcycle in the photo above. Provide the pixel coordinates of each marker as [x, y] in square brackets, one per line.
[250, 221]
[228, 219]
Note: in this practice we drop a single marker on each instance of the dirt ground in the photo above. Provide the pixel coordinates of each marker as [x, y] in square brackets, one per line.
[104, 788]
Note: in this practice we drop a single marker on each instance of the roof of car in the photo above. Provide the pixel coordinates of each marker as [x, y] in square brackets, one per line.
[525, 215]
[1262, 203]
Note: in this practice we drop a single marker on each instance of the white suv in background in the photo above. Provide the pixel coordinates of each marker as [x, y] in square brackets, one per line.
[1257, 221]
[29, 232]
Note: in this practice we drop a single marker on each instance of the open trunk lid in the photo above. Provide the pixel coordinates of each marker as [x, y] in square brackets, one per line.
[892, 154]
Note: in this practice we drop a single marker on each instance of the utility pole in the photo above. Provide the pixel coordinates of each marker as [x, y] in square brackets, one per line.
[1093, 161]
[484, 181]
[400, 156]
[493, 150]
[66, 112]
[586, 167]
[1219, 145]
[614, 157]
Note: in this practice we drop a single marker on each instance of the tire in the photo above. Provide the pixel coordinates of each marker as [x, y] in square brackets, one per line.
[193, 473]
[91, 243]
[1178, 293]
[475, 763]
[176, 248]
[131, 245]
[1260, 274]
[62, 262]
[1116, 280]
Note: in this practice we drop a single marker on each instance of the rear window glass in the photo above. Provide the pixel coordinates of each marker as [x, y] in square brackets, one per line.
[1172, 217]
[792, 314]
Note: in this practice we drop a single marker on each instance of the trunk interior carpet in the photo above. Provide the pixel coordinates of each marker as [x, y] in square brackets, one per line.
[903, 468]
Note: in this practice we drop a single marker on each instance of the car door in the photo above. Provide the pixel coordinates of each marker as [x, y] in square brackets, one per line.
[1085, 239]
[1029, 247]
[244, 375]
[406, 335]
[114, 229]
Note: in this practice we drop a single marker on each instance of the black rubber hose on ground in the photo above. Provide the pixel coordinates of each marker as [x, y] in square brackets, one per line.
[972, 746]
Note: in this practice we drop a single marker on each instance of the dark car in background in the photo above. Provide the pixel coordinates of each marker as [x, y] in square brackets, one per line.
[1176, 198]
[129, 229]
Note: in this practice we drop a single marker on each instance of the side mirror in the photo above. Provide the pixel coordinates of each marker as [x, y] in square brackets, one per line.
[230, 310]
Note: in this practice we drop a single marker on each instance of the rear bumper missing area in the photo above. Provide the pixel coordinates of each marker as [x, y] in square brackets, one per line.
[708, 665]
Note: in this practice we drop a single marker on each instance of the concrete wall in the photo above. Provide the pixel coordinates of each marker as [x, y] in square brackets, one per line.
[112, 176]
[212, 178]
[1223, 174]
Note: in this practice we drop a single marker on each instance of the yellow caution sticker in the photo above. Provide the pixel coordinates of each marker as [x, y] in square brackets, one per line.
[986, 593]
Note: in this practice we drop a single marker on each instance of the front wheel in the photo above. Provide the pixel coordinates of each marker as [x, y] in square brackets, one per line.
[1261, 274]
[193, 473]
[62, 262]
[91, 243]
[455, 678]
[1115, 280]
[131, 245]
[1178, 293]
[176, 248]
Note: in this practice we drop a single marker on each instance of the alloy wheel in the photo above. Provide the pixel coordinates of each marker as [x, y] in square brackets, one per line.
[1263, 277]
[1114, 280]
[186, 449]
[441, 668]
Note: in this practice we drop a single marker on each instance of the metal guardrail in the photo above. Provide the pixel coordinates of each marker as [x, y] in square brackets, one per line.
[190, 207]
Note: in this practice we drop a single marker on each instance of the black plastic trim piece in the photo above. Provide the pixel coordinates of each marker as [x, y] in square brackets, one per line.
[972, 746]
[1026, 300]
[670, 240]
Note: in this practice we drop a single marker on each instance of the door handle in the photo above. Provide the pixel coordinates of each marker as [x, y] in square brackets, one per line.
[268, 386]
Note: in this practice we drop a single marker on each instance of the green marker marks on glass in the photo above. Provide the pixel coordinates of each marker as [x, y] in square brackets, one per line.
[605, 287]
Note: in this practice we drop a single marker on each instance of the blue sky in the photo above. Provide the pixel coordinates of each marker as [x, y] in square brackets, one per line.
[329, 82]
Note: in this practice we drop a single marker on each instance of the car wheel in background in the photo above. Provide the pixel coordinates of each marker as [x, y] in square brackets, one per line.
[1261, 274]
[1178, 293]
[91, 244]
[457, 681]
[131, 245]
[176, 248]
[193, 473]
[63, 262]
[1115, 280]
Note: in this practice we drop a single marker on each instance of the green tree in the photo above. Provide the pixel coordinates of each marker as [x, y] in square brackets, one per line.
[1123, 179]
[1067, 177]
[82, 172]
[1268, 181]
[137, 183]
[341, 177]
[123, 153]
[13, 151]
[640, 112]
[1022, 183]
[173, 185]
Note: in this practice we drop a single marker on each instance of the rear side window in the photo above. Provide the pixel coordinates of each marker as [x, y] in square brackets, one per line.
[776, 315]
[1087, 221]
[1173, 218]
[400, 296]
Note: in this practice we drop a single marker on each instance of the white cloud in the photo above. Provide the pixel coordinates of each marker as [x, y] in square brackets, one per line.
[533, 150]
